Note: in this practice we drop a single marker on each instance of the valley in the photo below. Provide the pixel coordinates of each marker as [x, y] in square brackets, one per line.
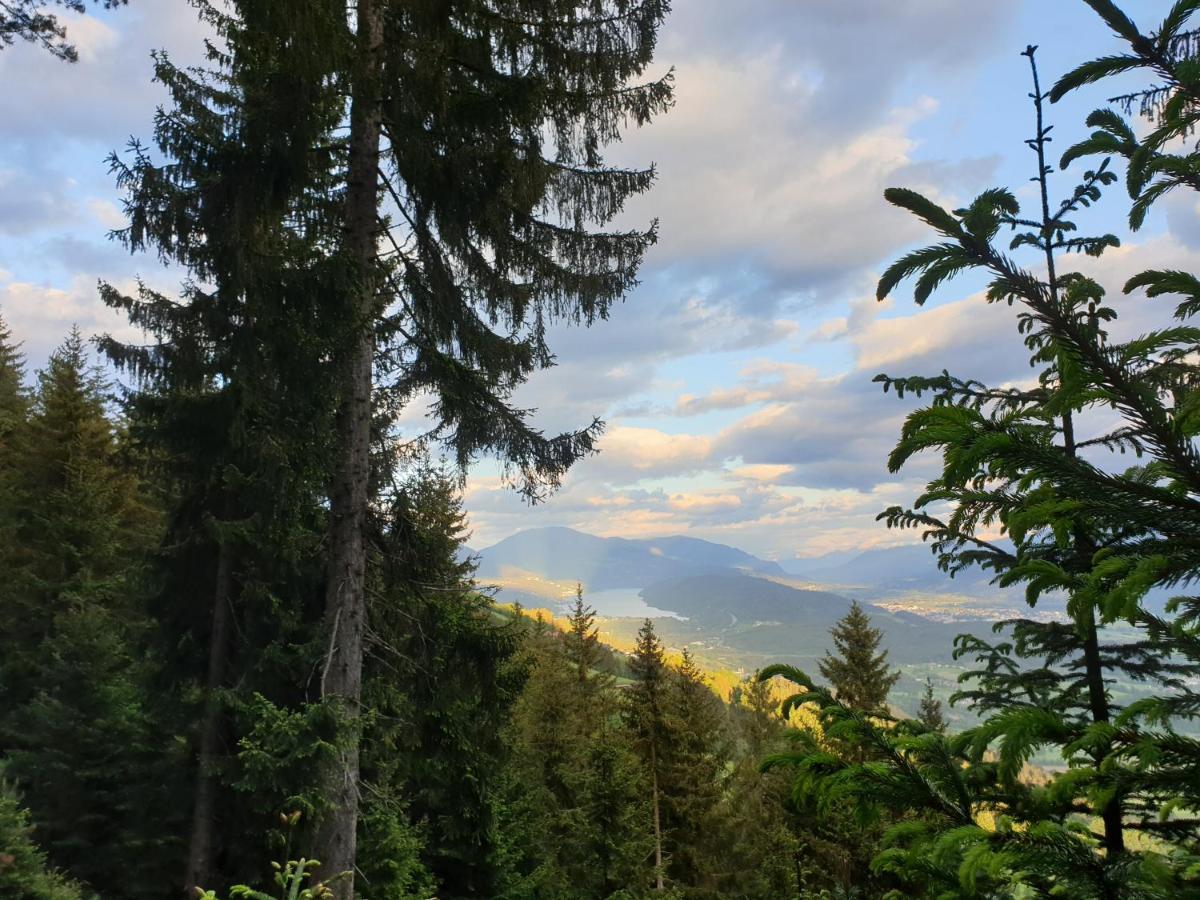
[738, 613]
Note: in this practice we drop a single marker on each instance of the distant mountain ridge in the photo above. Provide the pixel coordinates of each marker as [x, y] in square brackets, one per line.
[909, 567]
[563, 554]
[541, 565]
[729, 601]
[604, 563]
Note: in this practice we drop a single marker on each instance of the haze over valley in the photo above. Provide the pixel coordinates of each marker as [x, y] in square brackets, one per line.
[736, 611]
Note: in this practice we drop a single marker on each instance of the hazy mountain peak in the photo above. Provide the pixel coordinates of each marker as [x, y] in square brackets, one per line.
[565, 554]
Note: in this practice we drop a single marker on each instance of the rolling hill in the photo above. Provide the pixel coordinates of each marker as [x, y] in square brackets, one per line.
[754, 616]
[726, 599]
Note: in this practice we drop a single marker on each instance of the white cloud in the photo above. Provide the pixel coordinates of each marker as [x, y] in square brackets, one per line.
[763, 472]
[627, 452]
[93, 38]
[107, 213]
[791, 119]
[752, 180]
[108, 95]
[41, 315]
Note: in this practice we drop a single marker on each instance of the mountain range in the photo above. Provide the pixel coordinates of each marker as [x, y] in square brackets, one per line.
[735, 610]
[563, 554]
[689, 577]
[739, 612]
[907, 568]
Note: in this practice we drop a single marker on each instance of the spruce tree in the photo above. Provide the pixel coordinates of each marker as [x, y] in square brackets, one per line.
[837, 824]
[75, 727]
[577, 810]
[91, 760]
[647, 714]
[929, 713]
[14, 411]
[859, 672]
[1082, 525]
[581, 641]
[474, 154]
[1071, 520]
[231, 397]
[441, 679]
[902, 809]
[695, 767]
[78, 519]
[544, 809]
[616, 844]
[489, 199]
[24, 872]
[14, 401]
[760, 854]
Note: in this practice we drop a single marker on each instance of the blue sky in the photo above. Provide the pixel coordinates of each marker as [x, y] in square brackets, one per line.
[736, 380]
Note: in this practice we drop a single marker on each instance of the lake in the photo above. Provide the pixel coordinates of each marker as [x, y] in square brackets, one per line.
[625, 603]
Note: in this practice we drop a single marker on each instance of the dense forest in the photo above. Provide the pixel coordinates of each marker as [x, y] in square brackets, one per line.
[243, 651]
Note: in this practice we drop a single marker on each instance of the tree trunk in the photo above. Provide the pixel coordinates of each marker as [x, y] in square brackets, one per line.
[1112, 814]
[345, 604]
[658, 851]
[200, 845]
[1114, 827]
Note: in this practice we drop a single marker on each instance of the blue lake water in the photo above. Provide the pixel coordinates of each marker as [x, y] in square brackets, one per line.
[625, 603]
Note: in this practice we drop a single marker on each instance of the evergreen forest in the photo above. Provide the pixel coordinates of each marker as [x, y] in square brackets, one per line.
[245, 650]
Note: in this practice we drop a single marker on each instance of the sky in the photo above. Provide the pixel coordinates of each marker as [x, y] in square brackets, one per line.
[736, 379]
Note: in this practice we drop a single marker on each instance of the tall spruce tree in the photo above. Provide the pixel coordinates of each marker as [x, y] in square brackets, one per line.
[859, 672]
[482, 129]
[695, 767]
[647, 713]
[474, 155]
[231, 398]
